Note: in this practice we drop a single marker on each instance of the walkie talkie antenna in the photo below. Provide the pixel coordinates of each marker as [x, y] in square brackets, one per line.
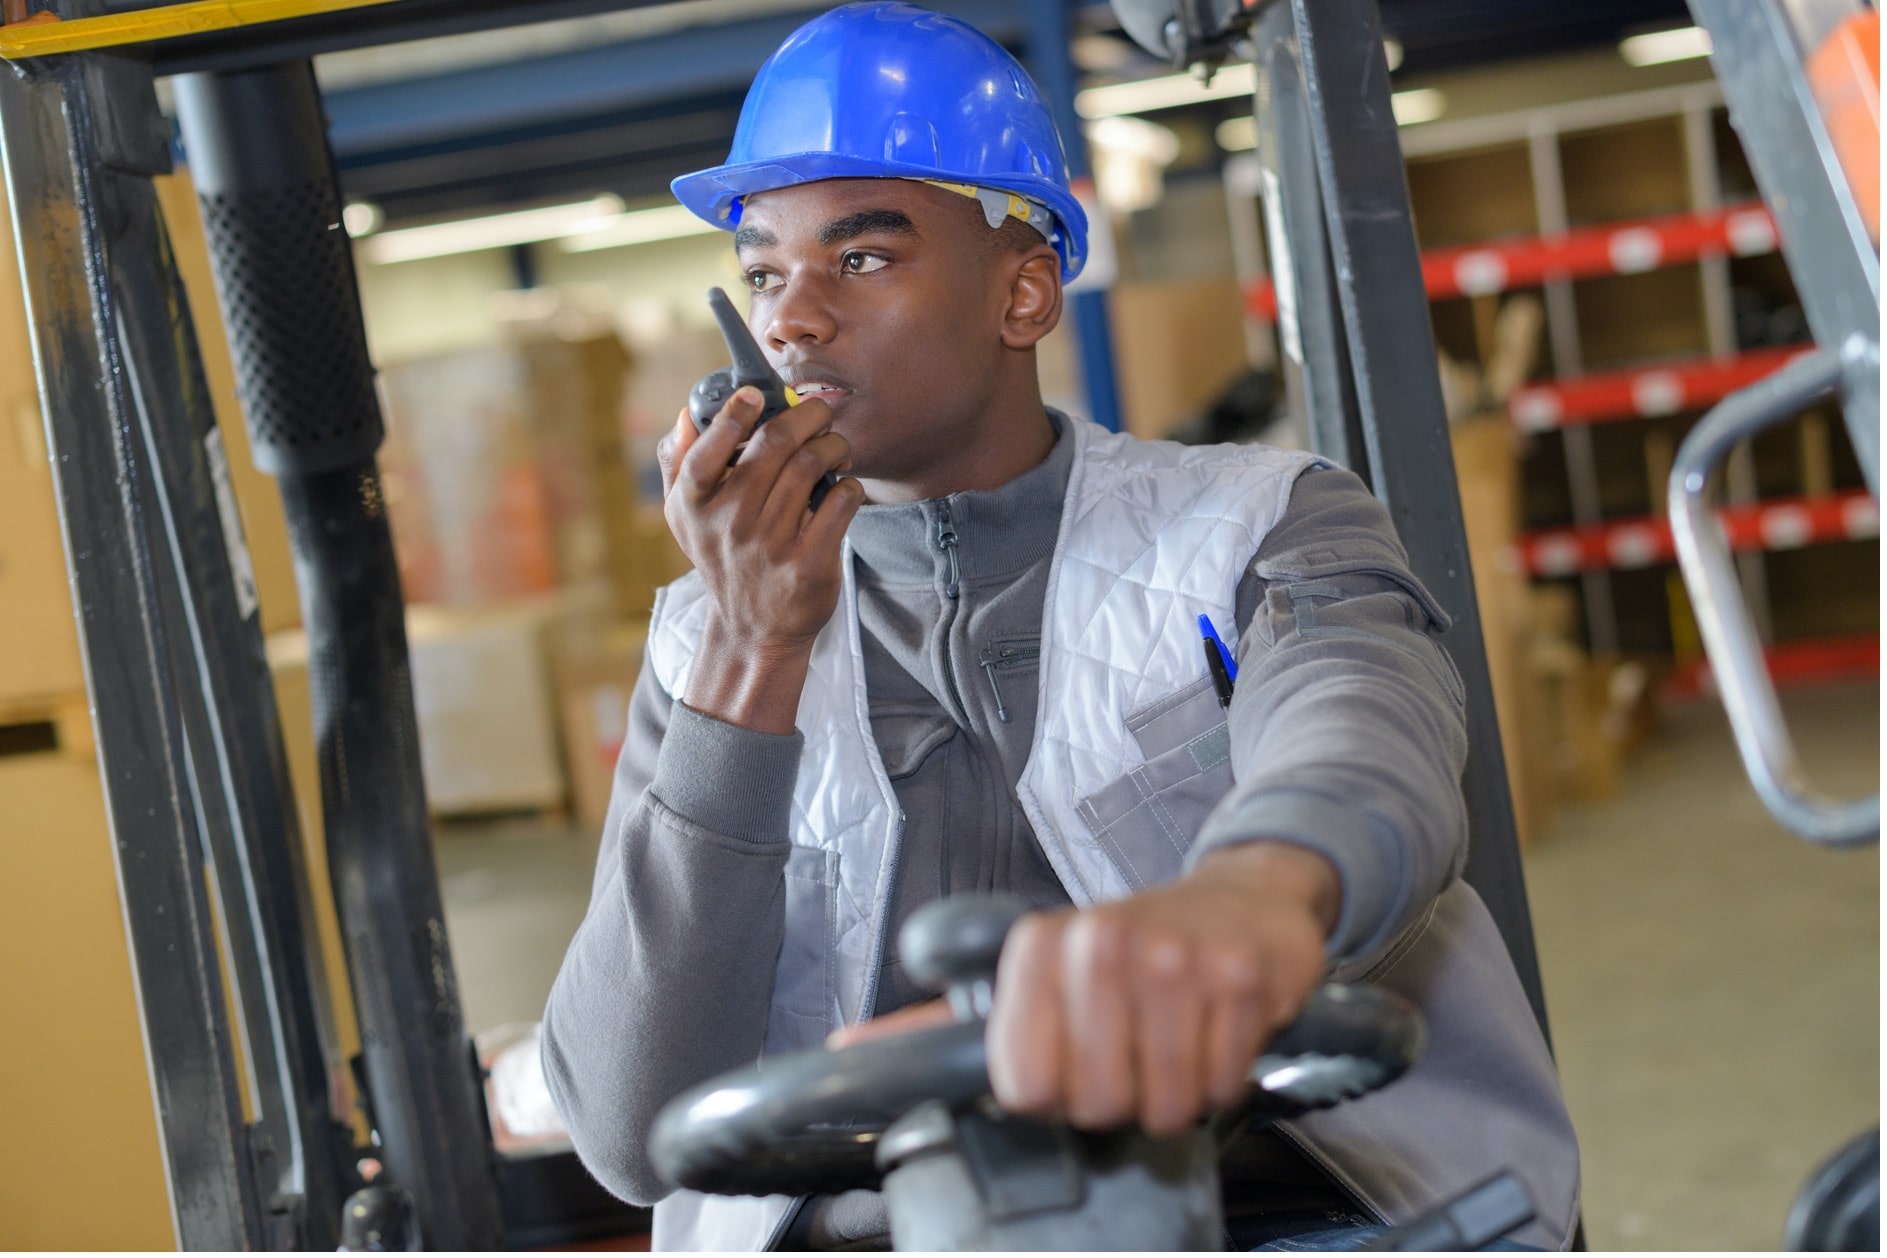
[752, 370]
[750, 365]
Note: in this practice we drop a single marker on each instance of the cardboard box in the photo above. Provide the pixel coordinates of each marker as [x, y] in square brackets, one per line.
[471, 519]
[1486, 467]
[79, 1153]
[575, 376]
[487, 730]
[665, 369]
[595, 680]
[1176, 347]
[39, 644]
[508, 473]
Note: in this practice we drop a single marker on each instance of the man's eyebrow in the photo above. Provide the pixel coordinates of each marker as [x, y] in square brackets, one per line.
[839, 230]
[753, 237]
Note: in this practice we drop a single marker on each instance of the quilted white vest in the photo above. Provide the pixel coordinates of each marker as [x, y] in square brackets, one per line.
[1152, 535]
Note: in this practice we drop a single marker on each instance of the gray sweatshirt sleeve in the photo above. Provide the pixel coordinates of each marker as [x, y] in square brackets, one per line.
[1347, 721]
[669, 977]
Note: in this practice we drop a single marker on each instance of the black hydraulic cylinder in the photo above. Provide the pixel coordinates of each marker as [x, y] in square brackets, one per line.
[256, 142]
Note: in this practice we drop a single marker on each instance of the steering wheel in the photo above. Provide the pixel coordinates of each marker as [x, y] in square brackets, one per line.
[809, 1122]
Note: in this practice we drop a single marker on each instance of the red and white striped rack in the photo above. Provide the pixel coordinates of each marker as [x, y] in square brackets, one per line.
[1774, 524]
[1799, 663]
[1626, 247]
[1642, 392]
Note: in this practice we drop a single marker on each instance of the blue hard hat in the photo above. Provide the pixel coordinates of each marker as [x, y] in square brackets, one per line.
[889, 90]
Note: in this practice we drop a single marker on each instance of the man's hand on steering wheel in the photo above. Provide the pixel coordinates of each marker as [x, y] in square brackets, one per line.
[1151, 1009]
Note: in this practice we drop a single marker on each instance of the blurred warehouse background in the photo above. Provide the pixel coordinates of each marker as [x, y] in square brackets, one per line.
[1601, 270]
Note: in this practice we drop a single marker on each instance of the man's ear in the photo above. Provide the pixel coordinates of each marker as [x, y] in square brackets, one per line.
[1034, 298]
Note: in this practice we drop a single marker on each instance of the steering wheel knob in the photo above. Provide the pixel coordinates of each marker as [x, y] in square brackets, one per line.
[952, 946]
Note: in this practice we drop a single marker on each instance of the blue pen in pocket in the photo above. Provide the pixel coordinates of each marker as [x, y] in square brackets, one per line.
[1219, 663]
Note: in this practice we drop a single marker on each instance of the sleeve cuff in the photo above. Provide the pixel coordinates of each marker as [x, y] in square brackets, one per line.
[1368, 860]
[726, 779]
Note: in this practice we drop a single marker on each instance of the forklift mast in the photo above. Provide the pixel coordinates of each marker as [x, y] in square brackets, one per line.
[216, 897]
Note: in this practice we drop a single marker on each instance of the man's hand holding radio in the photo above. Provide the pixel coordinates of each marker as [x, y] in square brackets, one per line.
[771, 566]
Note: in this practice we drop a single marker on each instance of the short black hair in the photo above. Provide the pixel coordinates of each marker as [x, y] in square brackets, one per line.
[1014, 236]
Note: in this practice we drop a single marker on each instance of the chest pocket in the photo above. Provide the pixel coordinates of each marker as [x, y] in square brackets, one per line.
[1148, 818]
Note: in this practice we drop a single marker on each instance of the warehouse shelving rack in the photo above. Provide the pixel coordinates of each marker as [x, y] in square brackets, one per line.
[1551, 253]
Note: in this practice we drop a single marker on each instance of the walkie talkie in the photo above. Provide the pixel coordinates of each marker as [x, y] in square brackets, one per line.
[750, 369]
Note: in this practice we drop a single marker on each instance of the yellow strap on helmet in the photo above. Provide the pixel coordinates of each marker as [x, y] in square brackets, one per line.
[999, 204]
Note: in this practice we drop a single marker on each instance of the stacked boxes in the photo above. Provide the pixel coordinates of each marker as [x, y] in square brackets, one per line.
[471, 519]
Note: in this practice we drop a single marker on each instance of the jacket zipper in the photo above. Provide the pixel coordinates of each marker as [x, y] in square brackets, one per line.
[947, 543]
[1004, 657]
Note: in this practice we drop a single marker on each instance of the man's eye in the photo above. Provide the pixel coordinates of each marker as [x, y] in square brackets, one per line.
[856, 263]
[762, 281]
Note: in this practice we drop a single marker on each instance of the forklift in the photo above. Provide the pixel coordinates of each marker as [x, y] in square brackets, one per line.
[216, 897]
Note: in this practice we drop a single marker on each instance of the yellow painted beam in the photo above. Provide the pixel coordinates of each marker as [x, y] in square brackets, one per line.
[40, 38]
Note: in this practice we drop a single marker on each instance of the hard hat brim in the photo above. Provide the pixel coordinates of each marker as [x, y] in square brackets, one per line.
[713, 195]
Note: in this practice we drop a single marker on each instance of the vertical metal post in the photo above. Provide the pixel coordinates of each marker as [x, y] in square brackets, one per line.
[1050, 30]
[1706, 193]
[1391, 354]
[1310, 318]
[1243, 187]
[258, 149]
[1562, 327]
[81, 140]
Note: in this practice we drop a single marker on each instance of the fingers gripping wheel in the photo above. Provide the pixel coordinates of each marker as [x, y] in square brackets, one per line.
[809, 1122]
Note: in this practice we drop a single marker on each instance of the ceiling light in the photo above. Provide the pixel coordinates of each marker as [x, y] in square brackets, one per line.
[1135, 137]
[1422, 104]
[1166, 92]
[1130, 157]
[493, 231]
[1418, 104]
[639, 227]
[1657, 47]
[1239, 133]
[361, 218]
[1392, 52]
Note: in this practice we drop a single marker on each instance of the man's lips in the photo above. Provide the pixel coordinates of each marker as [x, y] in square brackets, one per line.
[817, 384]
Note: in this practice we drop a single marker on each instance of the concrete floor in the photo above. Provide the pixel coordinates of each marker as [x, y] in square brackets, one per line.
[1713, 984]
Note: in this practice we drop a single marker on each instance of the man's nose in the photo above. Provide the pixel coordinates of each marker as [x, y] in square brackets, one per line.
[802, 315]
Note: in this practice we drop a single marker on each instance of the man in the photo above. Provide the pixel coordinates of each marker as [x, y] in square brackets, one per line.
[976, 667]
